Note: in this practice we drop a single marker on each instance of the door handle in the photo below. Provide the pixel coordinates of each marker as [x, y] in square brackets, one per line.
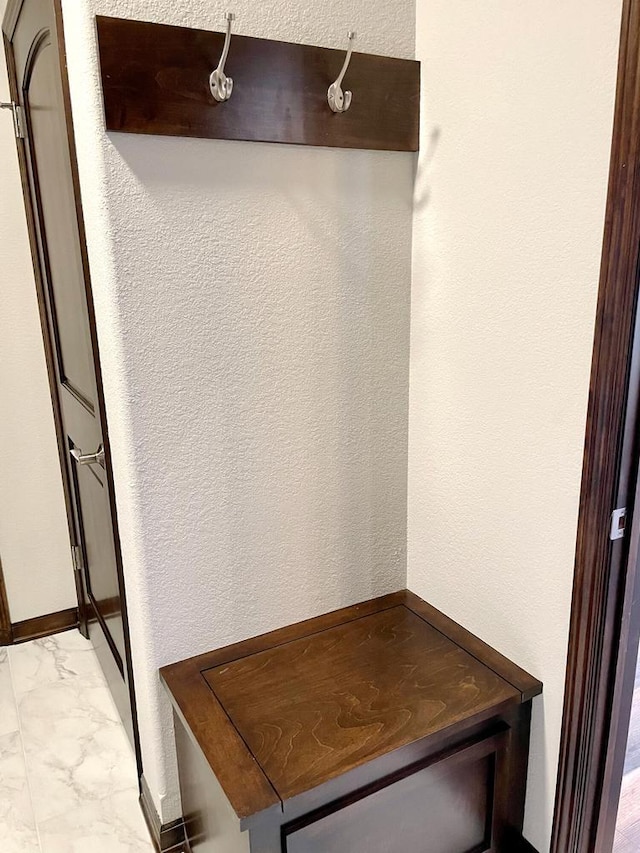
[88, 458]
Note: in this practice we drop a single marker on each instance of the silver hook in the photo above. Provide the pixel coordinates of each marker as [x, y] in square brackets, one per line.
[340, 101]
[221, 86]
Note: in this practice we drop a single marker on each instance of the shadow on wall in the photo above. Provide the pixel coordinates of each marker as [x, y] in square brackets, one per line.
[422, 194]
[539, 797]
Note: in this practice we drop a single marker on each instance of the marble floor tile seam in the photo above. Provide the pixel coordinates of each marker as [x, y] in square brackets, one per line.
[24, 754]
[30, 791]
[51, 660]
[69, 766]
[8, 703]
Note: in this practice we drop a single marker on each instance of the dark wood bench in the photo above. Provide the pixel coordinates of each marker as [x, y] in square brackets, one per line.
[378, 728]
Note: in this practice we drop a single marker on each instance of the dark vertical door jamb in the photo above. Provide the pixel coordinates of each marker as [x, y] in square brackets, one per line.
[605, 569]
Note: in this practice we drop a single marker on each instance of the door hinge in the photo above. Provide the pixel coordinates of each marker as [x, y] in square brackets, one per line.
[18, 117]
[618, 523]
[76, 556]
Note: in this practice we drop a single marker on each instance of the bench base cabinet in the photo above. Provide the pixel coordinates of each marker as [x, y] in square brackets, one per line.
[381, 728]
[440, 808]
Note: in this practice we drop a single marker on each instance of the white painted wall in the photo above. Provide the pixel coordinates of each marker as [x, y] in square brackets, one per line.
[507, 239]
[34, 542]
[252, 307]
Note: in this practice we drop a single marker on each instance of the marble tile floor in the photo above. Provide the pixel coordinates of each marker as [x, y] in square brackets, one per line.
[627, 837]
[68, 781]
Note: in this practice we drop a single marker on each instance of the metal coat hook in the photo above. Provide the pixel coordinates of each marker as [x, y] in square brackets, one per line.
[221, 86]
[340, 101]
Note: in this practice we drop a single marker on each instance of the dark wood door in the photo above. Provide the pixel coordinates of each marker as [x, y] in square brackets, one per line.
[33, 30]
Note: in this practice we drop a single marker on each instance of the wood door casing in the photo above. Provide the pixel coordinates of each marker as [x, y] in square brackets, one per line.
[37, 71]
[5, 618]
[602, 628]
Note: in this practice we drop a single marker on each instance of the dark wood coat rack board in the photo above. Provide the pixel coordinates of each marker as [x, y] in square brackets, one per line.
[155, 80]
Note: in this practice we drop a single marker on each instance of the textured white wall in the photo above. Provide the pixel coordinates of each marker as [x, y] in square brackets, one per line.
[252, 307]
[34, 542]
[510, 197]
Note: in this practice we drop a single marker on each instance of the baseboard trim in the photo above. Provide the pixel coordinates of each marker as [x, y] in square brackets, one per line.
[44, 626]
[168, 837]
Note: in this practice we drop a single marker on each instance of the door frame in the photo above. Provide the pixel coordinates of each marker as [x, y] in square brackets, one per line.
[8, 26]
[86, 611]
[6, 634]
[603, 639]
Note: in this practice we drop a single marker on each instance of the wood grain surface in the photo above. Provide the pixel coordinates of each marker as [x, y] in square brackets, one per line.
[318, 706]
[524, 682]
[349, 697]
[44, 626]
[155, 79]
[199, 711]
